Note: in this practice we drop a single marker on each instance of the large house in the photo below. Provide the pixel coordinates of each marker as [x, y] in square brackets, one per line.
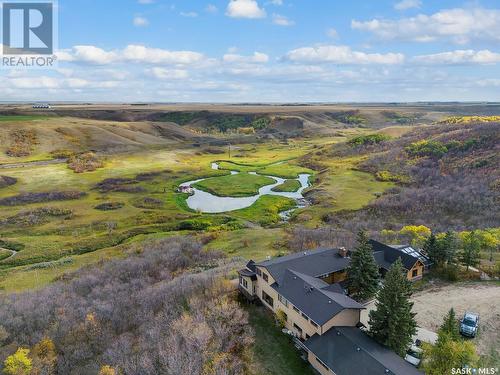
[307, 289]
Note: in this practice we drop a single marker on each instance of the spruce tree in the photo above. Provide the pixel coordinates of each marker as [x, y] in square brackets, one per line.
[362, 273]
[392, 323]
[435, 250]
[450, 325]
[449, 244]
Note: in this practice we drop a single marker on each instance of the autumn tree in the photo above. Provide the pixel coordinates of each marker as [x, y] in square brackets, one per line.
[392, 323]
[449, 351]
[107, 370]
[362, 273]
[416, 233]
[44, 357]
[18, 363]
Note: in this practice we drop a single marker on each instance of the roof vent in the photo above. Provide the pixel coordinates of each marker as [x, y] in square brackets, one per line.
[329, 301]
[387, 371]
[338, 333]
[358, 349]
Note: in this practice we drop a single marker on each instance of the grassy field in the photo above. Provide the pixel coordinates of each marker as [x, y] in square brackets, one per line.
[236, 185]
[288, 186]
[282, 168]
[23, 117]
[273, 352]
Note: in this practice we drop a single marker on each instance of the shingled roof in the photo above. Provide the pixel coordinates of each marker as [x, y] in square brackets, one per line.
[348, 350]
[312, 263]
[390, 255]
[313, 296]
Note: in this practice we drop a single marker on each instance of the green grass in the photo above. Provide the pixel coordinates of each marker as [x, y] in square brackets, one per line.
[280, 168]
[288, 186]
[265, 210]
[23, 117]
[273, 352]
[250, 243]
[237, 185]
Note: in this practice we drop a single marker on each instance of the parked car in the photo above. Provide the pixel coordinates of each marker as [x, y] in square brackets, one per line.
[414, 355]
[469, 324]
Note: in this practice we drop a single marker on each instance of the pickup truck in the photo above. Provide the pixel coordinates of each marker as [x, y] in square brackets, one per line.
[469, 324]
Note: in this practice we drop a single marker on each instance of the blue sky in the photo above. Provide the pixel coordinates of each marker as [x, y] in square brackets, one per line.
[269, 50]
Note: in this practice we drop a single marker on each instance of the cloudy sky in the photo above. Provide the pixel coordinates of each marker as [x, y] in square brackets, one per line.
[269, 51]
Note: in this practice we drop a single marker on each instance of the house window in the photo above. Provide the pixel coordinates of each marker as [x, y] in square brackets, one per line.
[267, 298]
[259, 272]
[283, 300]
[265, 277]
[322, 363]
[314, 324]
[307, 336]
[244, 282]
[297, 328]
[296, 310]
[305, 316]
[414, 273]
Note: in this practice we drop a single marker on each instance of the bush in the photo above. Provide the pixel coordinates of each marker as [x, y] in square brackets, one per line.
[109, 206]
[41, 215]
[23, 142]
[369, 139]
[7, 181]
[27, 198]
[85, 162]
[427, 148]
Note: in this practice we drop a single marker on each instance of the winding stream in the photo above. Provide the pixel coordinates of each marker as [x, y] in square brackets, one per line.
[209, 203]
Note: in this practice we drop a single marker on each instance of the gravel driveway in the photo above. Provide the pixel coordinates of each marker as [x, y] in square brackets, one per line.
[434, 302]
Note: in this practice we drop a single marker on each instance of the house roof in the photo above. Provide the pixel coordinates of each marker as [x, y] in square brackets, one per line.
[313, 296]
[311, 263]
[390, 255]
[348, 350]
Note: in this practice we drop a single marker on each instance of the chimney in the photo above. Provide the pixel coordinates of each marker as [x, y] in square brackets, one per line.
[342, 252]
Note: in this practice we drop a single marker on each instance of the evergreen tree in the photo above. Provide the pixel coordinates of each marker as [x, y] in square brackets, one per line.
[471, 246]
[435, 250]
[449, 245]
[392, 323]
[362, 273]
[450, 325]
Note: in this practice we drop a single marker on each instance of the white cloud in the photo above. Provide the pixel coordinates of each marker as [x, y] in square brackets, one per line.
[211, 8]
[341, 55]
[189, 14]
[408, 4]
[280, 20]
[131, 53]
[167, 74]
[460, 57]
[257, 57]
[332, 33]
[458, 25]
[140, 21]
[244, 9]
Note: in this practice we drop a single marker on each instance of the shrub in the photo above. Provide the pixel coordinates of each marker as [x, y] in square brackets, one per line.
[85, 162]
[41, 215]
[427, 148]
[369, 139]
[27, 198]
[148, 203]
[22, 143]
[109, 206]
[7, 181]
[62, 154]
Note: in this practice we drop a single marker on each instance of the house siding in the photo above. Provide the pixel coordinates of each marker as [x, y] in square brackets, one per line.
[419, 267]
[318, 366]
[349, 317]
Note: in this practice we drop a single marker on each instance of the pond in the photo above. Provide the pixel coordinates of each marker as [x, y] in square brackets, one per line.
[209, 203]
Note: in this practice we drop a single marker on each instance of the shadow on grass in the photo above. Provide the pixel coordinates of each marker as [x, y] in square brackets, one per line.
[273, 352]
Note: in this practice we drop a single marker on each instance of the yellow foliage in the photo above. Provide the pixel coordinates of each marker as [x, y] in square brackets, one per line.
[18, 363]
[469, 119]
[107, 370]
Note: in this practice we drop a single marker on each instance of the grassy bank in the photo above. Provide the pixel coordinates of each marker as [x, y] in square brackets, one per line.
[236, 185]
